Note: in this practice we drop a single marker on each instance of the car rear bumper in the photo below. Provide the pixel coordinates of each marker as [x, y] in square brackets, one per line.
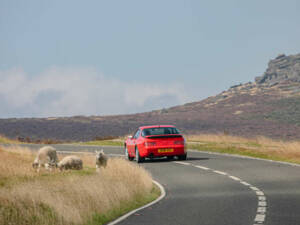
[155, 152]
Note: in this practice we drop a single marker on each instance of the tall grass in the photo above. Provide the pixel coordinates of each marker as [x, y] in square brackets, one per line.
[260, 146]
[106, 141]
[218, 138]
[113, 142]
[73, 197]
[5, 140]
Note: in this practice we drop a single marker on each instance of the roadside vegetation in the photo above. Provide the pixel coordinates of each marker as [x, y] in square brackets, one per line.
[260, 147]
[105, 141]
[112, 142]
[5, 140]
[69, 198]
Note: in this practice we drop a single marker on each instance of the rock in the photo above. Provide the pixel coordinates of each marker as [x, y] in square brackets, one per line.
[273, 84]
[282, 68]
[237, 85]
[280, 56]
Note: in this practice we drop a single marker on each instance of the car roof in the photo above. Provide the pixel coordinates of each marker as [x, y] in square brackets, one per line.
[154, 126]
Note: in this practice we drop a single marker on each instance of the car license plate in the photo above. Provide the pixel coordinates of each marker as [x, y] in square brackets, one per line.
[165, 150]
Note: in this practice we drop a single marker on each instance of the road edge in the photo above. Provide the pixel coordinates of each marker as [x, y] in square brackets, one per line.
[245, 157]
[162, 195]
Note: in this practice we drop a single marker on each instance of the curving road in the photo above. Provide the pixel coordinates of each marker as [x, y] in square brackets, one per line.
[213, 189]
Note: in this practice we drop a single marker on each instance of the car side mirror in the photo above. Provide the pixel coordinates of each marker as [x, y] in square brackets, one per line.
[130, 136]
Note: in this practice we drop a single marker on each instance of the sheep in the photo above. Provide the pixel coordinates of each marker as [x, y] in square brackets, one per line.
[70, 162]
[46, 157]
[101, 159]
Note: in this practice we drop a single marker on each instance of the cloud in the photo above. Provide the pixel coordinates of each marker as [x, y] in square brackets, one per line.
[61, 91]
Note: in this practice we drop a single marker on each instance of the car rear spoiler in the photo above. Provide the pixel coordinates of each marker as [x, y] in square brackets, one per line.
[164, 136]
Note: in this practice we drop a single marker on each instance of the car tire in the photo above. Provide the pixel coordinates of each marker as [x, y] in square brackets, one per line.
[127, 156]
[170, 157]
[138, 158]
[182, 157]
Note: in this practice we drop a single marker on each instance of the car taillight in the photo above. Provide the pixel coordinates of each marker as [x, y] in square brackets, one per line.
[181, 142]
[150, 144]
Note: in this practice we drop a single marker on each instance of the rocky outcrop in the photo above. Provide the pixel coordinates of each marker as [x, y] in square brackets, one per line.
[282, 68]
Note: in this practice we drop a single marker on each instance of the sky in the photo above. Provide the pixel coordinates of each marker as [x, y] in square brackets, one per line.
[103, 57]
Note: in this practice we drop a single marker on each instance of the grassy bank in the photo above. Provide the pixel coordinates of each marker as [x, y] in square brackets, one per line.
[72, 197]
[259, 147]
[112, 142]
[5, 140]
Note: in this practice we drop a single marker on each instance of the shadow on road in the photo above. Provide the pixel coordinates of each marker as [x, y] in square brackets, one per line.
[196, 158]
[164, 160]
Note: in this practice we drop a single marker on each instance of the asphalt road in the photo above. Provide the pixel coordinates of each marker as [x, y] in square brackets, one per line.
[210, 189]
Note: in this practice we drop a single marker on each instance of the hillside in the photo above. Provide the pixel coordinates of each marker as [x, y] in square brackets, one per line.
[270, 106]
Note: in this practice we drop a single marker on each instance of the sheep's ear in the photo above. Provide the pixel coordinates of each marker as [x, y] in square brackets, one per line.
[96, 152]
[102, 151]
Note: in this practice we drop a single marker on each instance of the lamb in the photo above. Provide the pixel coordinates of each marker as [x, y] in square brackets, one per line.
[46, 157]
[101, 159]
[70, 162]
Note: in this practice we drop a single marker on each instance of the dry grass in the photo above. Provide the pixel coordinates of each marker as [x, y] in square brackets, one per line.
[73, 197]
[259, 147]
[5, 140]
[15, 165]
[219, 138]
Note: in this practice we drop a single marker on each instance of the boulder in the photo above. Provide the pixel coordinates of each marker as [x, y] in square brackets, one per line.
[282, 68]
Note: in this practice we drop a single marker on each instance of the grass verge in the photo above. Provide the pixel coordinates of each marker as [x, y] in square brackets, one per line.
[5, 140]
[259, 147]
[113, 142]
[72, 197]
[125, 207]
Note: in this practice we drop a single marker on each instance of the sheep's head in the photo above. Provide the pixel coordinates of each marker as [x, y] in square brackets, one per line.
[59, 165]
[35, 165]
[53, 164]
[99, 154]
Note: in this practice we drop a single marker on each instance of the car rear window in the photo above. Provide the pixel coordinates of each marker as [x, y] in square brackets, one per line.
[159, 131]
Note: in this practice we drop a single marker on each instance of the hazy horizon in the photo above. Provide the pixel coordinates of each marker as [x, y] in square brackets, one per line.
[67, 58]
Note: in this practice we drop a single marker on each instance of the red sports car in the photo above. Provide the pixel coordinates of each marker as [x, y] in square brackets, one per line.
[154, 142]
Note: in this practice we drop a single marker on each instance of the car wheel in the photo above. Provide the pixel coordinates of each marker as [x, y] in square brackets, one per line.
[182, 157]
[127, 156]
[138, 158]
[170, 157]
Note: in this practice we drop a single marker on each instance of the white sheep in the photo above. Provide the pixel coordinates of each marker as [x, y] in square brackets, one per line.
[46, 157]
[101, 159]
[70, 162]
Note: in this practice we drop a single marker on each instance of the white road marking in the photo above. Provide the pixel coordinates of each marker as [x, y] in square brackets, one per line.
[162, 195]
[235, 178]
[262, 203]
[254, 188]
[245, 157]
[260, 218]
[245, 183]
[262, 200]
[260, 193]
[220, 172]
[183, 163]
[261, 209]
[202, 167]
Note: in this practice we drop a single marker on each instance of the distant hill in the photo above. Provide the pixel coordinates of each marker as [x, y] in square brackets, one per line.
[270, 106]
